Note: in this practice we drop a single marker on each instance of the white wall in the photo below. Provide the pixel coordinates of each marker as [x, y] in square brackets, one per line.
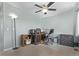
[62, 23]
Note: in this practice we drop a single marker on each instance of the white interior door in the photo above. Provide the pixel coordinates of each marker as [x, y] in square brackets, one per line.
[1, 28]
[8, 34]
[77, 28]
[1, 35]
[77, 33]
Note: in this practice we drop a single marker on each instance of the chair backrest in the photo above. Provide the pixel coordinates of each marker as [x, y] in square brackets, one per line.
[38, 30]
[51, 31]
[32, 31]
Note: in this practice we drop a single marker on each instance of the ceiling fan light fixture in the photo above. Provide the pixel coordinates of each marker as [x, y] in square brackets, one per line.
[44, 10]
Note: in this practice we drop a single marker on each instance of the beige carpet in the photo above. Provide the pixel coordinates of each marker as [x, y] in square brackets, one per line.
[42, 50]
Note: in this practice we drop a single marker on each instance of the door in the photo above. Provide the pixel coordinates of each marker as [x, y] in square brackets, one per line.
[1, 28]
[8, 34]
[1, 34]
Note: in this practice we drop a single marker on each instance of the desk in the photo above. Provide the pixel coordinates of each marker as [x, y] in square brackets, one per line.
[39, 38]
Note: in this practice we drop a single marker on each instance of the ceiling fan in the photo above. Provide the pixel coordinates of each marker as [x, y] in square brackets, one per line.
[45, 8]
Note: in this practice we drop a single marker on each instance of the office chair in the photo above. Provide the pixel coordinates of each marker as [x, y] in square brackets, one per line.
[48, 39]
[32, 33]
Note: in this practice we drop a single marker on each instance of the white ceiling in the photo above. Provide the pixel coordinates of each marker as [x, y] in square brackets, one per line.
[28, 7]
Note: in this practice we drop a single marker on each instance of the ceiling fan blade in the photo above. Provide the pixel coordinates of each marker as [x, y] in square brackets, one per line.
[37, 11]
[52, 9]
[38, 5]
[50, 3]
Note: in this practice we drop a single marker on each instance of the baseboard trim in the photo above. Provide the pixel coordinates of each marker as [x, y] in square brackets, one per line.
[8, 49]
